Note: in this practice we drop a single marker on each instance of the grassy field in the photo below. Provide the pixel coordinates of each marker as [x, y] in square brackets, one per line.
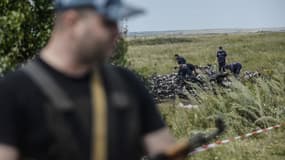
[257, 51]
[246, 106]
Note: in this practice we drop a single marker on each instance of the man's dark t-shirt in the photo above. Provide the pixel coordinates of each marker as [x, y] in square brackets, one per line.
[191, 68]
[22, 117]
[221, 55]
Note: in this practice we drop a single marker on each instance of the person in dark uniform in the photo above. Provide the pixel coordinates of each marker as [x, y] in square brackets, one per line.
[68, 104]
[188, 72]
[235, 68]
[221, 58]
[183, 71]
[180, 59]
[191, 69]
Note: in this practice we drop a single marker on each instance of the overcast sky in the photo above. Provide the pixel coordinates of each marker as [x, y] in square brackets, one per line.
[162, 15]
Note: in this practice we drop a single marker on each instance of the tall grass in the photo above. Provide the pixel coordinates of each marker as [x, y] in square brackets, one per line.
[245, 107]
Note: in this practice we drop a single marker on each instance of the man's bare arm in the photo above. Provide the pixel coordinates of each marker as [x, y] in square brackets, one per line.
[8, 153]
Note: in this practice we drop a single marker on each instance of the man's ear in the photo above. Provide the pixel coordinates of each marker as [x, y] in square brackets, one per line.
[70, 18]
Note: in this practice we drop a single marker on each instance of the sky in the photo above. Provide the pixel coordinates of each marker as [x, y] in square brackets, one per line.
[165, 15]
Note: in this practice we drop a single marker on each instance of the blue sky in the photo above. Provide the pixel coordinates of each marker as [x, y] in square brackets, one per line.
[164, 15]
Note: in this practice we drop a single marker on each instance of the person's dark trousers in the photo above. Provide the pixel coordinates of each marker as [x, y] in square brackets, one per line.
[222, 66]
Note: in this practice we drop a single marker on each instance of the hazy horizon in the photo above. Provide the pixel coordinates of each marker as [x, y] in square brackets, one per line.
[212, 29]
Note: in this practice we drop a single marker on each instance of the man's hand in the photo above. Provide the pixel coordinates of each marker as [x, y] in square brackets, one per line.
[8, 153]
[158, 142]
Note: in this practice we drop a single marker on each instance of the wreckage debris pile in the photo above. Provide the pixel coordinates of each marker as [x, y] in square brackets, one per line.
[168, 86]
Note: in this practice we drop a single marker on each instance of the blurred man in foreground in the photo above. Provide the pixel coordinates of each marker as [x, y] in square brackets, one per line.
[69, 105]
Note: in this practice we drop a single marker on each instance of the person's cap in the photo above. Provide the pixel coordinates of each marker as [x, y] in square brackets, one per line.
[111, 9]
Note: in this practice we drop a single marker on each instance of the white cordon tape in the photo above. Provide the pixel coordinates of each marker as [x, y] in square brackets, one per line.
[189, 106]
[217, 143]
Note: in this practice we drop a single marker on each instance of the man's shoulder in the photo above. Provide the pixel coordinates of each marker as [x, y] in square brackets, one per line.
[221, 53]
[131, 78]
[16, 80]
[126, 73]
